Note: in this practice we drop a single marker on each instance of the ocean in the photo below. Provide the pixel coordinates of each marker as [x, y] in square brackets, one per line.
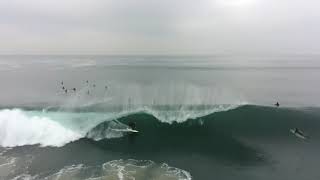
[199, 117]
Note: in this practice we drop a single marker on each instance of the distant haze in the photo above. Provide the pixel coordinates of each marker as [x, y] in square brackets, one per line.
[159, 27]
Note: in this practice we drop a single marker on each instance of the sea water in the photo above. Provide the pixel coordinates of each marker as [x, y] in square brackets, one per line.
[198, 117]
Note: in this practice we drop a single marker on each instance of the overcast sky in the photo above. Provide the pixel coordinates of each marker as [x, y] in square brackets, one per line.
[159, 26]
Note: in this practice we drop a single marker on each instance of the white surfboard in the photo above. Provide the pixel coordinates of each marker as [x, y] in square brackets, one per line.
[126, 130]
[301, 136]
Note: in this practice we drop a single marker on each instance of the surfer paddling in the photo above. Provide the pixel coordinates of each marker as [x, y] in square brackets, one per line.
[297, 132]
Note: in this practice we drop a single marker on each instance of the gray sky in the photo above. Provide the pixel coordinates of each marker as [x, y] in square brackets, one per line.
[159, 27]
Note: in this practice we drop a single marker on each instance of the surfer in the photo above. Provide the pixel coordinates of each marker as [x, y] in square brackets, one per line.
[299, 133]
[66, 91]
[74, 89]
[132, 125]
[132, 132]
[277, 104]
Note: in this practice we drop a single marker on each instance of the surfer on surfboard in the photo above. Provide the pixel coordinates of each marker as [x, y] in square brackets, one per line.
[130, 128]
[132, 125]
[298, 133]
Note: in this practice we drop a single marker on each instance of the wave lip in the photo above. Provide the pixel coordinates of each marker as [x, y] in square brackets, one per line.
[184, 113]
[17, 129]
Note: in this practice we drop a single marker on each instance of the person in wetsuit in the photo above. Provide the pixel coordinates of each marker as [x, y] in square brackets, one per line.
[132, 125]
[296, 130]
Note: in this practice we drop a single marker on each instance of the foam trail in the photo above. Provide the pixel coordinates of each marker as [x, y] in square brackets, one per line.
[17, 129]
[117, 170]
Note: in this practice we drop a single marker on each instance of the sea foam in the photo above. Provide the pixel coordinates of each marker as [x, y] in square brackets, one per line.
[17, 129]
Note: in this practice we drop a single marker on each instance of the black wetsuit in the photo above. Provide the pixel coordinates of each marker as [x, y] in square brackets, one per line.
[132, 125]
[296, 130]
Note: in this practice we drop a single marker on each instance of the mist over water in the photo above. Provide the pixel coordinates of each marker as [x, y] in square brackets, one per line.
[160, 80]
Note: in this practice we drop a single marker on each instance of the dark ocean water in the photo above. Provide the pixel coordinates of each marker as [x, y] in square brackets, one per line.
[197, 117]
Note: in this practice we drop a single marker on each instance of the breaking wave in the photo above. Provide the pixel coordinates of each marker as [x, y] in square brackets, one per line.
[56, 128]
[17, 129]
